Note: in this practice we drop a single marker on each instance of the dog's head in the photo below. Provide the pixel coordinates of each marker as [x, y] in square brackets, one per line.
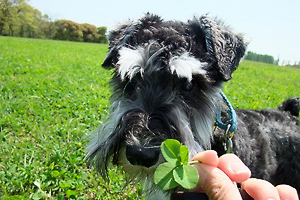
[166, 84]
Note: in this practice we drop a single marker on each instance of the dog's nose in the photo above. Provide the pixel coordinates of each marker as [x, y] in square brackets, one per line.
[144, 156]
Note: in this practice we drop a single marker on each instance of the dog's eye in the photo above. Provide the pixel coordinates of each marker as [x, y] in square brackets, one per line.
[188, 86]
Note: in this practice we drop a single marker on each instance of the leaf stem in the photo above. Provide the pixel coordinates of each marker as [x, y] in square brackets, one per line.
[193, 162]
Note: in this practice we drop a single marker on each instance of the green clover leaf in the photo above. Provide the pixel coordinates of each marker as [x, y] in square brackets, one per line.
[163, 176]
[184, 154]
[170, 149]
[186, 175]
[176, 171]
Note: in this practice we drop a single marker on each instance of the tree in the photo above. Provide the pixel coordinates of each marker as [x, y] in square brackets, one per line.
[17, 18]
[68, 30]
[102, 35]
[29, 19]
[90, 33]
[46, 28]
[260, 58]
[7, 16]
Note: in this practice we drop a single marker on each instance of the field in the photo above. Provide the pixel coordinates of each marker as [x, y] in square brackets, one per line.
[54, 93]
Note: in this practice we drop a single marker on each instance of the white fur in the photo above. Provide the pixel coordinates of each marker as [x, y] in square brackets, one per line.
[131, 61]
[185, 66]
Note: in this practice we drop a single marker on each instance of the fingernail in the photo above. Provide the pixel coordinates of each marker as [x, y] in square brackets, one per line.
[270, 199]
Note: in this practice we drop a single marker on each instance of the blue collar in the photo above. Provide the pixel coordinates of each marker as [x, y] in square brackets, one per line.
[231, 124]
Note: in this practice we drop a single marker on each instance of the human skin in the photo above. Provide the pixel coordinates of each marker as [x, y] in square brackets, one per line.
[219, 175]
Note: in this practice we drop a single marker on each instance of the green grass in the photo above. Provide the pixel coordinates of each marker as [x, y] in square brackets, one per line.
[259, 86]
[54, 93]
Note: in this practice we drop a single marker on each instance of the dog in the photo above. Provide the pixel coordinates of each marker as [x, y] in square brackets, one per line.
[167, 83]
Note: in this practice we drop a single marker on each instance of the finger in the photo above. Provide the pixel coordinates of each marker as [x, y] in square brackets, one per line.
[260, 189]
[287, 192]
[235, 169]
[216, 184]
[209, 157]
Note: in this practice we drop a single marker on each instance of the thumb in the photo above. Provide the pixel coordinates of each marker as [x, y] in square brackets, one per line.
[216, 184]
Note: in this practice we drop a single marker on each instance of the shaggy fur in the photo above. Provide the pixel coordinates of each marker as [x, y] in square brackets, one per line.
[167, 81]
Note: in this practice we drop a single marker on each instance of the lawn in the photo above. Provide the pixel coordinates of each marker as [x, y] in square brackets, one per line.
[54, 93]
[259, 86]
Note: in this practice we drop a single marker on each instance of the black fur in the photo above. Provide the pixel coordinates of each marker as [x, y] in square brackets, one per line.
[291, 105]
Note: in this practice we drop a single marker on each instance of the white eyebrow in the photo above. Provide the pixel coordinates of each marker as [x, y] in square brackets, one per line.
[131, 61]
[185, 66]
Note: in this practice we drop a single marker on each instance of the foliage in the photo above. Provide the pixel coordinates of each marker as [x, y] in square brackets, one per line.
[17, 18]
[90, 33]
[68, 30]
[71, 31]
[176, 171]
[261, 58]
[54, 93]
[102, 34]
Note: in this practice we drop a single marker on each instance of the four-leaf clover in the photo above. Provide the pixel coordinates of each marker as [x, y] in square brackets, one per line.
[176, 171]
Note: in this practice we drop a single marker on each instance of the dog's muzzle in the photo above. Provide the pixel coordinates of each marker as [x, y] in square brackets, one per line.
[144, 134]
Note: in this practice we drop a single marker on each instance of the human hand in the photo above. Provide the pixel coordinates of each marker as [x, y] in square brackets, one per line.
[219, 175]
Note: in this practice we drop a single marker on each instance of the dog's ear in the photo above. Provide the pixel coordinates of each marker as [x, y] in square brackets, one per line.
[128, 35]
[117, 39]
[224, 47]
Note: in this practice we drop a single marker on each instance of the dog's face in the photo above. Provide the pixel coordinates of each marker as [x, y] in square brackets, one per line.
[166, 84]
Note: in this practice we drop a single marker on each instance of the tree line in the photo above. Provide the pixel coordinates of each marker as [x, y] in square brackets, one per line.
[261, 58]
[17, 18]
[269, 59]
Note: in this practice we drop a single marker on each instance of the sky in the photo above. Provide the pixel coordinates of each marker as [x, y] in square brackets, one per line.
[271, 26]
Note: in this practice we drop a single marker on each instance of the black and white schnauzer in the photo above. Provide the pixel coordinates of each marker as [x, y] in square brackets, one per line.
[167, 83]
